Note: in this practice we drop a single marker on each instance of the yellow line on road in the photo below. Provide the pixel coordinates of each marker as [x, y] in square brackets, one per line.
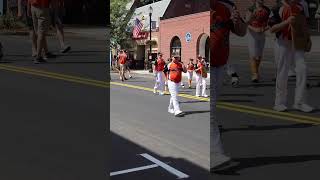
[223, 105]
[59, 76]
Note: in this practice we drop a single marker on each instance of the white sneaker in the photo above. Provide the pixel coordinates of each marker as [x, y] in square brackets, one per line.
[303, 107]
[154, 91]
[161, 93]
[218, 160]
[197, 95]
[178, 113]
[205, 96]
[280, 108]
[235, 81]
[171, 111]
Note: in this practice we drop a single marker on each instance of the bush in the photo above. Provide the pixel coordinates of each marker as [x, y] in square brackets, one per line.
[10, 22]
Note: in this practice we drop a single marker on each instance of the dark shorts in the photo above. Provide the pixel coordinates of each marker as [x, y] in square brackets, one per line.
[55, 17]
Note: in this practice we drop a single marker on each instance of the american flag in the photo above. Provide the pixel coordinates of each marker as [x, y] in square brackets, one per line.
[137, 28]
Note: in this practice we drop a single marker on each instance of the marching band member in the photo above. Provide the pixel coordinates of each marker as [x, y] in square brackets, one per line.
[224, 18]
[289, 11]
[175, 69]
[257, 20]
[201, 79]
[160, 76]
[190, 68]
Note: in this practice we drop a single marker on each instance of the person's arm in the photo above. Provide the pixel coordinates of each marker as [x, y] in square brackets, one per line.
[239, 26]
[278, 27]
[184, 69]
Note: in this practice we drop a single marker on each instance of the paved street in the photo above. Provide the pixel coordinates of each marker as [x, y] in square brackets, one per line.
[53, 115]
[265, 144]
[141, 124]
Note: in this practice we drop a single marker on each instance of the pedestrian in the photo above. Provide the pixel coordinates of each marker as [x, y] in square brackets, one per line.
[159, 74]
[22, 13]
[201, 79]
[222, 12]
[122, 58]
[257, 20]
[39, 11]
[288, 13]
[128, 64]
[175, 69]
[181, 84]
[56, 13]
[190, 69]
[165, 71]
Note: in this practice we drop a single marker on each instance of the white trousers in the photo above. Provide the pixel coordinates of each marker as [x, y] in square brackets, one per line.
[286, 55]
[174, 90]
[190, 74]
[216, 74]
[201, 82]
[160, 81]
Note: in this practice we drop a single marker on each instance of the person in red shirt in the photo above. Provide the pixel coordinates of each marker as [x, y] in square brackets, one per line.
[281, 23]
[201, 78]
[175, 69]
[39, 10]
[122, 62]
[159, 74]
[224, 18]
[257, 19]
[190, 69]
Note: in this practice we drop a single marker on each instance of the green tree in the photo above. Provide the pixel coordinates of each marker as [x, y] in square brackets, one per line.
[119, 18]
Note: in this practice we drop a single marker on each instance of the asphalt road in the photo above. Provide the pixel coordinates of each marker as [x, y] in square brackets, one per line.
[264, 144]
[52, 125]
[140, 120]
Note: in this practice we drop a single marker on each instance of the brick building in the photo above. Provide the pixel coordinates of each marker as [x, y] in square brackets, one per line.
[185, 28]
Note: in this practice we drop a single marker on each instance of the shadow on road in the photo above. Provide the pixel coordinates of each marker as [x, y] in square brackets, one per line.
[125, 155]
[267, 128]
[244, 163]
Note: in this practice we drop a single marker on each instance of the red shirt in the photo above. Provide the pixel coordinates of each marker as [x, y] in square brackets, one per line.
[122, 58]
[175, 72]
[285, 12]
[260, 17]
[219, 34]
[200, 67]
[40, 3]
[190, 66]
[160, 65]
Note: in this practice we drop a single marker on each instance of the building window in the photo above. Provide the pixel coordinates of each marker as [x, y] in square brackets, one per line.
[175, 46]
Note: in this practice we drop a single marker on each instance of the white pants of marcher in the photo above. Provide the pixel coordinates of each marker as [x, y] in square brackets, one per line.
[201, 82]
[216, 74]
[190, 74]
[160, 81]
[286, 55]
[174, 90]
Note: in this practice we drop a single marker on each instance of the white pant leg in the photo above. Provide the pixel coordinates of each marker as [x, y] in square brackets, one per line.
[285, 56]
[276, 54]
[204, 87]
[198, 84]
[161, 81]
[190, 74]
[301, 77]
[215, 139]
[174, 89]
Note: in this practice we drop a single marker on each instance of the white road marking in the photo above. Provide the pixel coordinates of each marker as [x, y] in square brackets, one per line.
[170, 169]
[134, 170]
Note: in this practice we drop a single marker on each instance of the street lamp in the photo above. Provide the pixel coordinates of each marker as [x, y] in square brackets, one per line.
[150, 45]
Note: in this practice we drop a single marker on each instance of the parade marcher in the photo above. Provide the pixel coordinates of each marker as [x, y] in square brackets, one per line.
[23, 7]
[122, 58]
[190, 68]
[285, 25]
[201, 79]
[257, 19]
[56, 13]
[165, 71]
[159, 74]
[175, 69]
[224, 18]
[128, 63]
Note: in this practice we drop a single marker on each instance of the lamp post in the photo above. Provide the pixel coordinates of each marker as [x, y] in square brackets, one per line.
[150, 45]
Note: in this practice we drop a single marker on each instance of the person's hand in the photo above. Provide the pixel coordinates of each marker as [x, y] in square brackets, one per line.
[291, 20]
[235, 17]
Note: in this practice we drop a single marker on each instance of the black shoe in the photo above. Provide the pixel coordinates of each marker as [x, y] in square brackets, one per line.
[49, 55]
[66, 49]
[39, 60]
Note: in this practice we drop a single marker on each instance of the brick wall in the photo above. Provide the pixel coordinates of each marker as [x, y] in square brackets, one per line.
[196, 24]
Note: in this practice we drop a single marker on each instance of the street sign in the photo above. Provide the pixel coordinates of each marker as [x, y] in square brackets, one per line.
[188, 37]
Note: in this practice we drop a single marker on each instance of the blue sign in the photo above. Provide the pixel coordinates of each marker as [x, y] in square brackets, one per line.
[188, 37]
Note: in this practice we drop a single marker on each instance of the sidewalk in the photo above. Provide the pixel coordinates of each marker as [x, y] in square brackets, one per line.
[243, 42]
